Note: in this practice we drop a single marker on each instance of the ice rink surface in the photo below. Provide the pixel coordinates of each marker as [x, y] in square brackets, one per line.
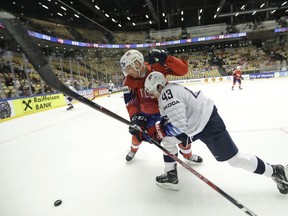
[78, 156]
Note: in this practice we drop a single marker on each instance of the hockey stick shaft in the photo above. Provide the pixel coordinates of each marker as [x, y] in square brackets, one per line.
[38, 60]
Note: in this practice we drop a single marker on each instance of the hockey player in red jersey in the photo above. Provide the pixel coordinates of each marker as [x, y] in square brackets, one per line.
[141, 106]
[237, 77]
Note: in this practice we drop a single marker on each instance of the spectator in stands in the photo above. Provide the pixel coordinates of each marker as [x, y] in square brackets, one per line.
[9, 80]
[21, 90]
[26, 91]
[17, 84]
[33, 90]
[90, 84]
[47, 89]
[76, 85]
[35, 80]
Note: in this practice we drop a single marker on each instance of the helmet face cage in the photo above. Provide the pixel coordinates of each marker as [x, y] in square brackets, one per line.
[152, 82]
[129, 58]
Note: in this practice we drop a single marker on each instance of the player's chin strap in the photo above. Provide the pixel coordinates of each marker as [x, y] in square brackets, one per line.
[42, 66]
[144, 73]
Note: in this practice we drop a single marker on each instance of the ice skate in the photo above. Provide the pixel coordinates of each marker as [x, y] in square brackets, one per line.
[70, 107]
[130, 155]
[168, 180]
[280, 176]
[195, 158]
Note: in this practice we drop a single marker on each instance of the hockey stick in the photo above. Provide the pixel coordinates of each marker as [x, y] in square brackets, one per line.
[38, 60]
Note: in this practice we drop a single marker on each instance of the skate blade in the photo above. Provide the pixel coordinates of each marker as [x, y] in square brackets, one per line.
[281, 180]
[168, 186]
[277, 181]
[286, 171]
[194, 163]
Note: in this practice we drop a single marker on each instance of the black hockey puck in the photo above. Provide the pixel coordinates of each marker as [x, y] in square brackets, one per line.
[57, 202]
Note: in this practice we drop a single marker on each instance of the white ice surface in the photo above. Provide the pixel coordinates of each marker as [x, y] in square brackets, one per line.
[79, 156]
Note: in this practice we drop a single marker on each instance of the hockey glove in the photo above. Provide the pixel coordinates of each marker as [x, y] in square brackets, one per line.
[140, 122]
[157, 56]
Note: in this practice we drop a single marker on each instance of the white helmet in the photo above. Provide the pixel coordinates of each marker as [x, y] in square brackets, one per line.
[152, 82]
[129, 58]
[238, 67]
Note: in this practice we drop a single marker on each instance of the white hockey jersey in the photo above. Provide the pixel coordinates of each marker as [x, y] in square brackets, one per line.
[187, 111]
[110, 86]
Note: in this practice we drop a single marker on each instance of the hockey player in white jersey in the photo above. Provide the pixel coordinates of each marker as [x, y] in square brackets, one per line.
[110, 87]
[189, 116]
[68, 99]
